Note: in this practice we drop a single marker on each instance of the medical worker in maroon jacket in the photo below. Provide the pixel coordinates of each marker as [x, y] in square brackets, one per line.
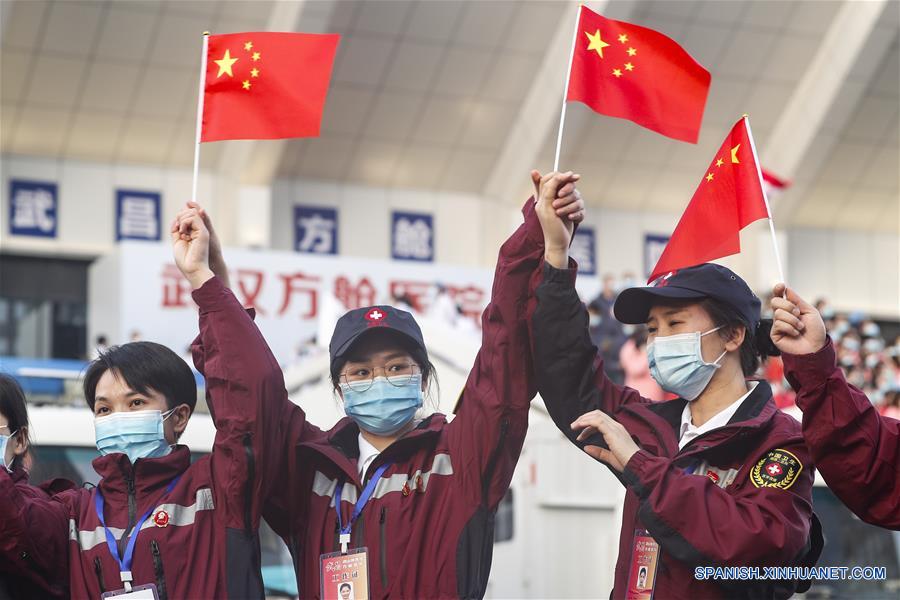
[416, 497]
[857, 451]
[717, 477]
[159, 525]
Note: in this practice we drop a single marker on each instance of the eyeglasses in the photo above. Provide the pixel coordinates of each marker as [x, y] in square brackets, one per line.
[398, 374]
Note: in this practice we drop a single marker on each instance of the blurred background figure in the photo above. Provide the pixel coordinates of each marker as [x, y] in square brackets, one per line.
[633, 360]
[608, 334]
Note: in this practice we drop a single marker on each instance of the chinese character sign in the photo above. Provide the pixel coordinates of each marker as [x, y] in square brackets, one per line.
[315, 230]
[583, 250]
[295, 297]
[654, 245]
[138, 215]
[412, 236]
[32, 208]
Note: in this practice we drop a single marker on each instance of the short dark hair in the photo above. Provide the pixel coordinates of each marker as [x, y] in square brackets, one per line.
[14, 408]
[145, 366]
[757, 344]
[345, 585]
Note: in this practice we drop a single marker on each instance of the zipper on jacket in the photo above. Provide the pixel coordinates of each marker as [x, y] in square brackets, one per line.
[132, 513]
[248, 493]
[492, 462]
[158, 570]
[98, 569]
[383, 548]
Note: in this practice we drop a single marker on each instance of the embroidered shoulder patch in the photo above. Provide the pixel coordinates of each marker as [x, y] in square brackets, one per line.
[779, 468]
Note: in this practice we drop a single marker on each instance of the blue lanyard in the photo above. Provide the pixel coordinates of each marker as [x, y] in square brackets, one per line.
[361, 503]
[125, 561]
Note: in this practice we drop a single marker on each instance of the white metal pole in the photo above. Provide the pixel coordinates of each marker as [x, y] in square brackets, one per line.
[200, 94]
[762, 186]
[562, 112]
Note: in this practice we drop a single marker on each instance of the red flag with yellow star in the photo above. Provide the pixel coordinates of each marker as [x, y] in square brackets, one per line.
[631, 72]
[263, 85]
[729, 197]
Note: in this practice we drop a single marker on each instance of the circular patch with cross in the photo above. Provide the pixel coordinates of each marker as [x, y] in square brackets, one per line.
[779, 468]
[375, 316]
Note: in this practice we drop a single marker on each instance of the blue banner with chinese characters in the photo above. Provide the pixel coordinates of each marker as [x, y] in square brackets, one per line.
[583, 250]
[654, 244]
[33, 208]
[138, 215]
[412, 236]
[315, 230]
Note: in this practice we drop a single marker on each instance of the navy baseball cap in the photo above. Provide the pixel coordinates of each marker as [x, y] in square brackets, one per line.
[693, 283]
[356, 323]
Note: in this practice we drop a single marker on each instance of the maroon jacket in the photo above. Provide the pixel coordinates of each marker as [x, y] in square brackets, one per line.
[205, 545]
[25, 571]
[429, 525]
[709, 504]
[856, 450]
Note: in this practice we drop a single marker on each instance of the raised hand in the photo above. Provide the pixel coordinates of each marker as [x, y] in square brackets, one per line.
[621, 446]
[559, 207]
[216, 258]
[190, 245]
[797, 326]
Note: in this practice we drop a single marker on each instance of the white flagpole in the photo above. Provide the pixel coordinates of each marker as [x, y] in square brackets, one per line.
[762, 186]
[562, 112]
[200, 95]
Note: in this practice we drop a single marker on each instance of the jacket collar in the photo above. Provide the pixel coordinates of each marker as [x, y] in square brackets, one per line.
[341, 445]
[118, 476]
[755, 413]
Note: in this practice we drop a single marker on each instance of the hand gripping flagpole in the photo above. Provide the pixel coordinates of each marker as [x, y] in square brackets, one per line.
[562, 112]
[200, 96]
[762, 186]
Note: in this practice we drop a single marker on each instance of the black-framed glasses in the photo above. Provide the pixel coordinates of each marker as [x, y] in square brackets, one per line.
[397, 374]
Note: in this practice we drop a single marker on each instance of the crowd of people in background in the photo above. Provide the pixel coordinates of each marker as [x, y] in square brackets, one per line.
[869, 358]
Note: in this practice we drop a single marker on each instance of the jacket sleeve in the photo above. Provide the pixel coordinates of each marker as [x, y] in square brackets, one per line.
[487, 433]
[699, 523]
[35, 534]
[255, 421]
[568, 368]
[856, 450]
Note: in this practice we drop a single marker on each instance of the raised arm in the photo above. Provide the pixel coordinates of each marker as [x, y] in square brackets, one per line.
[568, 368]
[856, 450]
[492, 412]
[255, 421]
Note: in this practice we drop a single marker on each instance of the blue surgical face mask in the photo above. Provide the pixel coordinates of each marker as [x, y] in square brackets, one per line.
[384, 408]
[4, 440]
[138, 434]
[677, 365]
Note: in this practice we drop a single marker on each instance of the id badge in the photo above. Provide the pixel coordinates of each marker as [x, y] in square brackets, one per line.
[138, 592]
[345, 576]
[642, 572]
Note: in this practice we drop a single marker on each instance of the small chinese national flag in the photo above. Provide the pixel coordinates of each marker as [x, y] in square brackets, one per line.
[729, 198]
[262, 85]
[631, 72]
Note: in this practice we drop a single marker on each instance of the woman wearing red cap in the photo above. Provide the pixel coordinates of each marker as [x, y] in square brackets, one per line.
[415, 498]
[716, 478]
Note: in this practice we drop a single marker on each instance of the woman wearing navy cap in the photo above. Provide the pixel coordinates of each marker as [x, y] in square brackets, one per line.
[393, 505]
[716, 478]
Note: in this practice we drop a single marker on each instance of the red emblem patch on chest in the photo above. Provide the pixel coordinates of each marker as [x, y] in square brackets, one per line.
[713, 476]
[161, 518]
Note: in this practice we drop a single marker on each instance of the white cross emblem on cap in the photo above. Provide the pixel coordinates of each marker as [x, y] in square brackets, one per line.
[375, 315]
